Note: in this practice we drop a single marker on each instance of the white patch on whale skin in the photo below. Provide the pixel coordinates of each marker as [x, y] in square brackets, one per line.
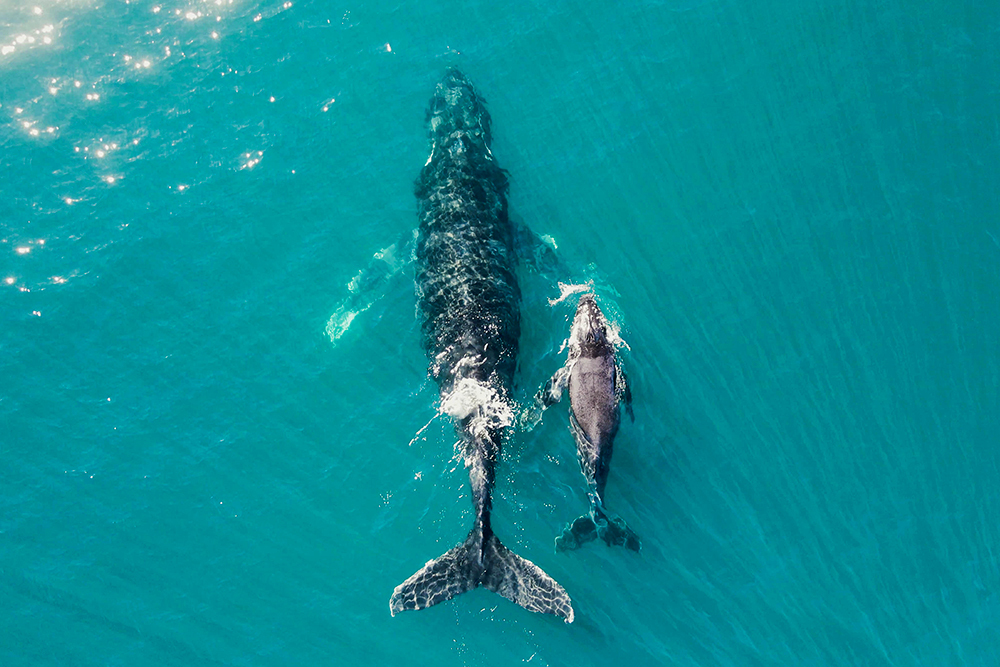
[611, 329]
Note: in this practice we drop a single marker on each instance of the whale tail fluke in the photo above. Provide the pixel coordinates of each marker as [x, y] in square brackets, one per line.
[498, 569]
[452, 574]
[522, 582]
[599, 523]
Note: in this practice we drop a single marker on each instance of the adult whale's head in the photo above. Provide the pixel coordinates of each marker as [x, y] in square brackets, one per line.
[589, 335]
[457, 119]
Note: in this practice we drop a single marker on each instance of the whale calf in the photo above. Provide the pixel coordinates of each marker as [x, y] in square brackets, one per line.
[469, 305]
[597, 388]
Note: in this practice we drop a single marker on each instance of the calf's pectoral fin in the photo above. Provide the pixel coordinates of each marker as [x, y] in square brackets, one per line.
[552, 392]
[626, 391]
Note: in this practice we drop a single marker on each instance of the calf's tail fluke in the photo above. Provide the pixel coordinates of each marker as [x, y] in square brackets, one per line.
[598, 523]
[483, 562]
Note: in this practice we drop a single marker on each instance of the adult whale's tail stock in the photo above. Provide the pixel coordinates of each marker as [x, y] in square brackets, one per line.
[481, 560]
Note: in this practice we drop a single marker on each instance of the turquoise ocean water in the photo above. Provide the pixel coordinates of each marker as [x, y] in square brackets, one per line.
[212, 442]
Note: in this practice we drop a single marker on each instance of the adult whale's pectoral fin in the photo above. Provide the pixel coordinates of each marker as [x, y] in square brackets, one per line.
[522, 582]
[538, 253]
[452, 574]
[370, 285]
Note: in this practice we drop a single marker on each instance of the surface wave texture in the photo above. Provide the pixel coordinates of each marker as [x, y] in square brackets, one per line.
[218, 437]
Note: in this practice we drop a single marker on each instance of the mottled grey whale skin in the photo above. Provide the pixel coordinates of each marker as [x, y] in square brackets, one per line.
[597, 388]
[469, 306]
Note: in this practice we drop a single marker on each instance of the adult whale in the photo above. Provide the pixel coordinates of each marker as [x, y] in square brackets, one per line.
[597, 387]
[468, 300]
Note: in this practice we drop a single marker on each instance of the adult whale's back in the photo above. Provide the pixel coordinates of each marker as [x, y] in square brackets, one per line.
[468, 301]
[466, 286]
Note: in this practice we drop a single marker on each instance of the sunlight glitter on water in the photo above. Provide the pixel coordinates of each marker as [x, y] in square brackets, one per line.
[41, 36]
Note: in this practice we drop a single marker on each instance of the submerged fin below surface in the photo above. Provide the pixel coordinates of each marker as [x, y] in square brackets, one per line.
[578, 533]
[501, 571]
[615, 532]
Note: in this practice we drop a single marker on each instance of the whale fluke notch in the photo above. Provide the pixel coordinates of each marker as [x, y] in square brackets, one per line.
[599, 523]
[500, 570]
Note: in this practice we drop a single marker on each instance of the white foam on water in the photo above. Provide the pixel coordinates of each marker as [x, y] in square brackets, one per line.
[568, 289]
[615, 336]
[424, 428]
[473, 398]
